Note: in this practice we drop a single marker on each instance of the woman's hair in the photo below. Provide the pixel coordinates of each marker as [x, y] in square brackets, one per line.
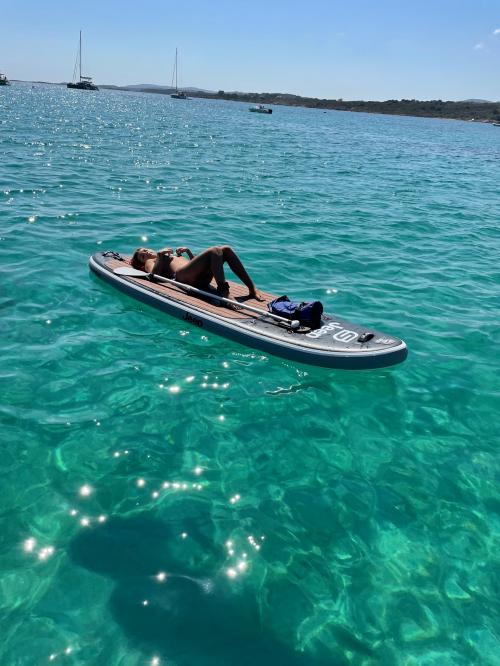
[136, 262]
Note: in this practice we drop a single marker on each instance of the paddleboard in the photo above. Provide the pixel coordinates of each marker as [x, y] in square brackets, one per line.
[336, 344]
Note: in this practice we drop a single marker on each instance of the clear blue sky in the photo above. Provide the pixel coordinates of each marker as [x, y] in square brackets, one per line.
[361, 49]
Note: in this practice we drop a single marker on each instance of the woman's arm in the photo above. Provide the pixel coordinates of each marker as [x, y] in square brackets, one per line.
[153, 267]
[180, 250]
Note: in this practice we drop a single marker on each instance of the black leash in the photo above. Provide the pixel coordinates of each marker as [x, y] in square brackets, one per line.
[115, 255]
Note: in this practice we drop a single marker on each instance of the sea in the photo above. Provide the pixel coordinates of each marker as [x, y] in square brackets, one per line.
[172, 498]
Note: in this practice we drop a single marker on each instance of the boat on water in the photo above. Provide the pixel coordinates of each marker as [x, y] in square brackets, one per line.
[336, 343]
[83, 82]
[260, 108]
[178, 94]
[4, 81]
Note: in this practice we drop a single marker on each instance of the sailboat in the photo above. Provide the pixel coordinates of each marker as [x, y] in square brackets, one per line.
[178, 94]
[4, 81]
[84, 82]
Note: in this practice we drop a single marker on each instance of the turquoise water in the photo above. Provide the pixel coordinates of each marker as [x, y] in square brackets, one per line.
[169, 497]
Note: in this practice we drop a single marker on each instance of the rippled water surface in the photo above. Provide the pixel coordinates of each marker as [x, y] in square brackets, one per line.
[169, 497]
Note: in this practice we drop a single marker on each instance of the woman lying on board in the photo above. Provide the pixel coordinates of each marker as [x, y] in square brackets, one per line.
[198, 271]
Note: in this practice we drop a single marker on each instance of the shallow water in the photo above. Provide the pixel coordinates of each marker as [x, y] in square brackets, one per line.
[171, 497]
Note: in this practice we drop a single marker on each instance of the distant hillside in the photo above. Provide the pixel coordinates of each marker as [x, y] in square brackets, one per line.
[478, 110]
[143, 86]
[155, 88]
[470, 109]
[148, 87]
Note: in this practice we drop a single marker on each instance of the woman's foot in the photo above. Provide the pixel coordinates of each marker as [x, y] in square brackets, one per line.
[223, 290]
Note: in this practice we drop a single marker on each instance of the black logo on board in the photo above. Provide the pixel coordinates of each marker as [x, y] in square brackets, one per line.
[193, 320]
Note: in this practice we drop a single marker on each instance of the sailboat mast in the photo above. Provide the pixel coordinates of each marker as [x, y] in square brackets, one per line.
[176, 89]
[80, 55]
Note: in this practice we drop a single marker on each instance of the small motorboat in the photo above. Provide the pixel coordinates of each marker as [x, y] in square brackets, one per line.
[260, 108]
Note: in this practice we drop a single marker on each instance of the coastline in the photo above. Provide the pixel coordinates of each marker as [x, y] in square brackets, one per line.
[488, 112]
[473, 111]
[485, 112]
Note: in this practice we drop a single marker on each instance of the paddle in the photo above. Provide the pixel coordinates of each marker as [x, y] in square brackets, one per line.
[133, 272]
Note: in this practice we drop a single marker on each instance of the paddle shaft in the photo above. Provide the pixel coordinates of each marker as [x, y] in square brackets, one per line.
[132, 272]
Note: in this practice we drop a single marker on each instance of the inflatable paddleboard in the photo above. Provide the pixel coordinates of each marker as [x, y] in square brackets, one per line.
[336, 344]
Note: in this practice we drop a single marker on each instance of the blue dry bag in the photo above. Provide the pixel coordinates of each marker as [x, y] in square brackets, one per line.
[309, 314]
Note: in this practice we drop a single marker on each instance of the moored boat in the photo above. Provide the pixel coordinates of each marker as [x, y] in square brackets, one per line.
[83, 82]
[4, 81]
[178, 94]
[260, 108]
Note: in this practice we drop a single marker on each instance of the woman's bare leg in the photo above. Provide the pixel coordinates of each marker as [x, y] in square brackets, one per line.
[217, 266]
[237, 267]
[210, 264]
[203, 268]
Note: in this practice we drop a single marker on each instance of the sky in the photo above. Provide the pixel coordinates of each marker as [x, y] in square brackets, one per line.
[359, 49]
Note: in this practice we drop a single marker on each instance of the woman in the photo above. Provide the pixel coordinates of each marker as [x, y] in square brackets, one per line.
[197, 271]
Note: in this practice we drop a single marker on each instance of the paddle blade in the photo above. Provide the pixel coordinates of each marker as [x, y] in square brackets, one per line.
[130, 272]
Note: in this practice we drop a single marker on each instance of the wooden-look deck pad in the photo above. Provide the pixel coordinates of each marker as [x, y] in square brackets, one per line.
[237, 292]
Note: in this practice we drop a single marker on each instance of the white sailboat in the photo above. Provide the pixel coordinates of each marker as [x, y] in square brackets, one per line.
[178, 94]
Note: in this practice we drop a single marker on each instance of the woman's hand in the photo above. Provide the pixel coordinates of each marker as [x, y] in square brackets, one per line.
[165, 251]
[181, 250]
